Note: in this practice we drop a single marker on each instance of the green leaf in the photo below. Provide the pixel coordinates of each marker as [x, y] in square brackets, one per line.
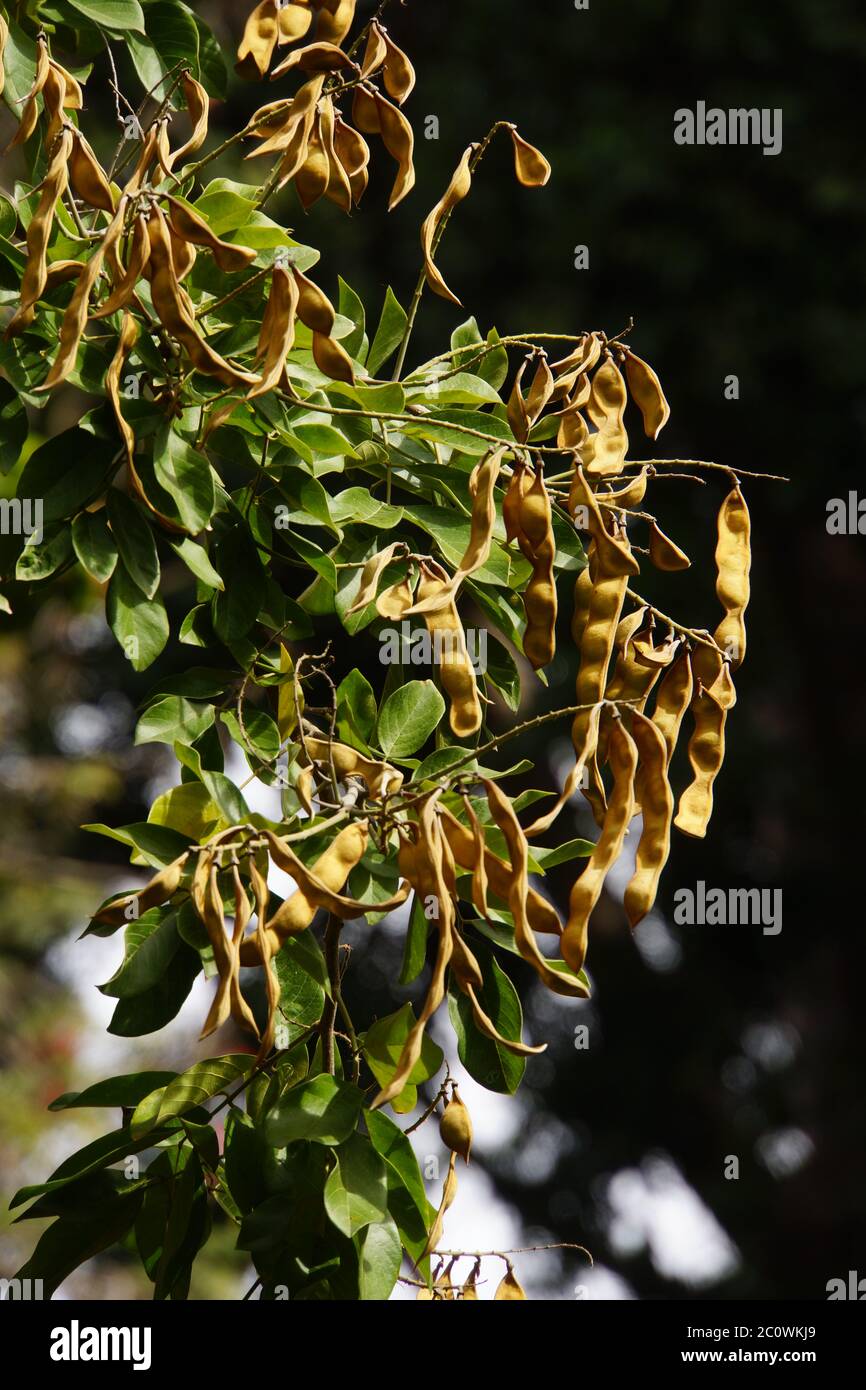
[70, 1241]
[139, 624]
[67, 472]
[43, 555]
[188, 809]
[100, 1153]
[562, 854]
[356, 1192]
[112, 14]
[491, 1065]
[262, 741]
[503, 671]
[415, 944]
[94, 545]
[324, 1110]
[408, 718]
[380, 1254]
[382, 1045]
[392, 326]
[197, 561]
[302, 997]
[154, 1008]
[323, 440]
[450, 426]
[173, 32]
[145, 59]
[13, 416]
[407, 1199]
[212, 65]
[114, 1091]
[186, 476]
[351, 307]
[356, 709]
[153, 844]
[150, 944]
[236, 610]
[356, 504]
[190, 1089]
[460, 389]
[173, 718]
[440, 762]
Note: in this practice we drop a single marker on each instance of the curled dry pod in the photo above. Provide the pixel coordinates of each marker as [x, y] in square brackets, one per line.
[365, 110]
[198, 106]
[315, 58]
[381, 778]
[467, 972]
[503, 815]
[393, 602]
[631, 495]
[398, 73]
[664, 554]
[530, 166]
[517, 413]
[335, 20]
[646, 391]
[30, 109]
[371, 574]
[317, 891]
[399, 140]
[277, 335]
[455, 1127]
[375, 52]
[541, 390]
[509, 1286]
[139, 255]
[431, 228]
[613, 555]
[733, 561]
[87, 176]
[338, 188]
[75, 319]
[190, 227]
[60, 273]
[259, 41]
[574, 368]
[332, 869]
[431, 847]
[672, 700]
[35, 275]
[511, 504]
[470, 1290]
[540, 913]
[126, 342]
[158, 891]
[483, 517]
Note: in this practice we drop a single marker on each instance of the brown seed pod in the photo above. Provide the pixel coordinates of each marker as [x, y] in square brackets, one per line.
[647, 393]
[664, 554]
[509, 1286]
[530, 165]
[458, 188]
[259, 41]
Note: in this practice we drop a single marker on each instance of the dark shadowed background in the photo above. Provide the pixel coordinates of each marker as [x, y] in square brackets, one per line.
[704, 1043]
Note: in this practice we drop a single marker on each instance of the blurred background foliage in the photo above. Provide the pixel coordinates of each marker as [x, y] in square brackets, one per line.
[704, 1042]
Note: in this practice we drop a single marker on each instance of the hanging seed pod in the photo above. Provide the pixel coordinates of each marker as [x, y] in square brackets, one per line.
[375, 52]
[35, 276]
[315, 58]
[530, 166]
[455, 1127]
[159, 890]
[470, 1290]
[458, 188]
[187, 225]
[198, 106]
[87, 176]
[277, 335]
[312, 178]
[353, 152]
[294, 21]
[335, 20]
[4, 39]
[646, 391]
[733, 561]
[30, 109]
[259, 41]
[664, 554]
[398, 73]
[509, 1286]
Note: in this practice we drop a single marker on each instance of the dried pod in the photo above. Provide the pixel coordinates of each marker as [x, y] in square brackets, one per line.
[664, 554]
[87, 176]
[455, 1127]
[434, 222]
[259, 41]
[315, 58]
[509, 1286]
[530, 166]
[646, 391]
[335, 20]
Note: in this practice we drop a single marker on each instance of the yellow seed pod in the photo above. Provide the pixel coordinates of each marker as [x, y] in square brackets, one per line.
[397, 72]
[455, 668]
[455, 1127]
[399, 140]
[159, 890]
[540, 913]
[540, 599]
[657, 808]
[509, 1286]
[393, 602]
[294, 19]
[259, 41]
[587, 889]
[672, 700]
[646, 391]
[372, 573]
[530, 165]
[87, 176]
[335, 20]
[733, 560]
[332, 359]
[311, 180]
[470, 1290]
[277, 335]
[39, 234]
[315, 58]
[4, 39]
[664, 554]
[353, 153]
[198, 106]
[190, 227]
[706, 755]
